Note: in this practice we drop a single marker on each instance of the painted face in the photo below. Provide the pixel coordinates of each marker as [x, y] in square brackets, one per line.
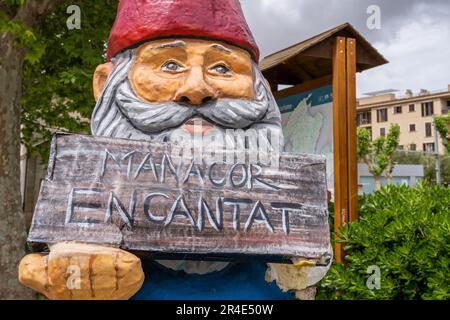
[191, 71]
[173, 88]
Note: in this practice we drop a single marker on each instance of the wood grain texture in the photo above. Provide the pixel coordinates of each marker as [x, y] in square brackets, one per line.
[147, 198]
[340, 142]
[351, 131]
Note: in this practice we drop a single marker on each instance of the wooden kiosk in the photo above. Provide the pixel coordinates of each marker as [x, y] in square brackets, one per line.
[331, 58]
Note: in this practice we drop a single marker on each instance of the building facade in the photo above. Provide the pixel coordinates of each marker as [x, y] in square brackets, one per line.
[413, 113]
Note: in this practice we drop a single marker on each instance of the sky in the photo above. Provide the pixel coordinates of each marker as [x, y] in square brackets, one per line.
[414, 36]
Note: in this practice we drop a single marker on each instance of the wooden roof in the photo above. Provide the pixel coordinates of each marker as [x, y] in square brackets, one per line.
[312, 59]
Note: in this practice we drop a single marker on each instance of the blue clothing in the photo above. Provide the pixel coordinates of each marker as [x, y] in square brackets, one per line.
[243, 281]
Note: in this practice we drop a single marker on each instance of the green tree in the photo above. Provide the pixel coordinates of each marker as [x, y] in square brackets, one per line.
[428, 161]
[19, 20]
[442, 124]
[378, 154]
[45, 81]
[58, 89]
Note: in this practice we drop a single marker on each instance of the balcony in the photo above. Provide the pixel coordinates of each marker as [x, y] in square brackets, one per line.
[364, 122]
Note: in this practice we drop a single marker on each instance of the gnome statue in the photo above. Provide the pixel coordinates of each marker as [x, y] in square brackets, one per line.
[173, 67]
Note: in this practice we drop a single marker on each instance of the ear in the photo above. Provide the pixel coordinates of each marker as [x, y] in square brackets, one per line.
[100, 76]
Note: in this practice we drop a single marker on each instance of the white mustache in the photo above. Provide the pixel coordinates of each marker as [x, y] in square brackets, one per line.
[156, 117]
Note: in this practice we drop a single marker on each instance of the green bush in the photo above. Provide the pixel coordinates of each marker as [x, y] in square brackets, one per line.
[406, 233]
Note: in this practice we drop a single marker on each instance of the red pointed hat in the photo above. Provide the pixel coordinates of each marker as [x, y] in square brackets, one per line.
[138, 21]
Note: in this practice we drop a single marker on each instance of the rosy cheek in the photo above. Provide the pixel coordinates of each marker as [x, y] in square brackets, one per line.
[151, 87]
[238, 88]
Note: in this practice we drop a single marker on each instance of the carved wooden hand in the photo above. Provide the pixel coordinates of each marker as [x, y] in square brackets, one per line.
[75, 271]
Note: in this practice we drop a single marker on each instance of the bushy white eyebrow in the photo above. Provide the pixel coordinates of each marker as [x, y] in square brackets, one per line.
[173, 44]
[221, 48]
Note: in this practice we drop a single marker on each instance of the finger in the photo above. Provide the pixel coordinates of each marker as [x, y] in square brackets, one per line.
[70, 271]
[130, 274]
[103, 275]
[58, 276]
[33, 272]
[116, 274]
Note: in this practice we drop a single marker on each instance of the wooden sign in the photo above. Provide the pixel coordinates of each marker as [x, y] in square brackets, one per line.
[150, 198]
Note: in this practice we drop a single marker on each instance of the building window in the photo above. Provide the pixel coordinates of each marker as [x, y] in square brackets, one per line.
[412, 128]
[413, 147]
[428, 129]
[383, 132]
[401, 148]
[428, 147]
[446, 108]
[364, 118]
[398, 110]
[382, 115]
[412, 108]
[427, 109]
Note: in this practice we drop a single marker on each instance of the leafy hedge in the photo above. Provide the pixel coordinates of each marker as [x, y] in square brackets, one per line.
[406, 233]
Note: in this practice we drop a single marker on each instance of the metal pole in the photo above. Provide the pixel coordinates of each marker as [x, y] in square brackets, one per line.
[438, 158]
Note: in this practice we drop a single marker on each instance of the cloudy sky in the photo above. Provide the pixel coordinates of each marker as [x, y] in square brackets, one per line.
[414, 35]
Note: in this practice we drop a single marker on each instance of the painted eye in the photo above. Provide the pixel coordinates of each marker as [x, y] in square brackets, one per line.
[172, 66]
[221, 69]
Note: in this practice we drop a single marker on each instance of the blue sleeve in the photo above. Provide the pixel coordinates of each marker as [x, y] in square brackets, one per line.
[243, 281]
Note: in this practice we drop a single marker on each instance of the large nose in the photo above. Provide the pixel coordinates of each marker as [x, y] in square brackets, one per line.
[195, 90]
